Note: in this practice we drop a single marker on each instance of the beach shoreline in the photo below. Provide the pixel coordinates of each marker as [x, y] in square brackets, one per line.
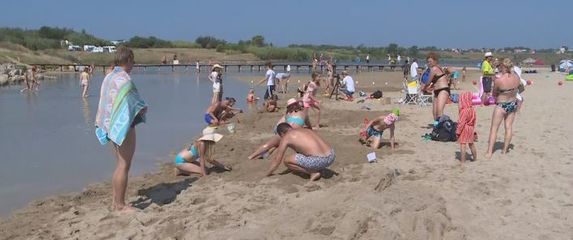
[413, 192]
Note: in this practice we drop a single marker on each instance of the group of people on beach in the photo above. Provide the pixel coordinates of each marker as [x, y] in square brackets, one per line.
[121, 109]
[500, 80]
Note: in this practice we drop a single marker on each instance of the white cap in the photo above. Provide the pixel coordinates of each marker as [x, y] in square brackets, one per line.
[488, 54]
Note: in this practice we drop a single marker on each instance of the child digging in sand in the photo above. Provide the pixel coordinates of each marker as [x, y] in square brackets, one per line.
[376, 127]
[466, 126]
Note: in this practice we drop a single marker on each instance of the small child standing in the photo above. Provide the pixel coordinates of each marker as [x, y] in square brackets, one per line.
[465, 130]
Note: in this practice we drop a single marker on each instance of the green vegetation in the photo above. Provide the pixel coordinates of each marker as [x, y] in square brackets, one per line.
[50, 41]
[150, 42]
[47, 37]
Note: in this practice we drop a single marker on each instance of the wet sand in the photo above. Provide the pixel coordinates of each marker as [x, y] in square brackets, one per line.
[414, 192]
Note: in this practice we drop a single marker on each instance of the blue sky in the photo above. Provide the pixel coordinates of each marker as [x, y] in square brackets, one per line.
[441, 23]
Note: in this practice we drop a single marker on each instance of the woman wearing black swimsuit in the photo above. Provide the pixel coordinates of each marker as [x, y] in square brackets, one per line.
[439, 84]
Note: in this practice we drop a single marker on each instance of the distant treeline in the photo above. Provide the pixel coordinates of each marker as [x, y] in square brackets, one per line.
[52, 37]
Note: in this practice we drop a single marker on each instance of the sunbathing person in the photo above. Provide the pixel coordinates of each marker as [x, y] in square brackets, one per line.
[312, 154]
[376, 127]
[192, 159]
[295, 116]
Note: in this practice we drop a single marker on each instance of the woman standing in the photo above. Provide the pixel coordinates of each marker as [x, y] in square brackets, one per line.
[120, 109]
[439, 84]
[505, 91]
[216, 78]
[84, 81]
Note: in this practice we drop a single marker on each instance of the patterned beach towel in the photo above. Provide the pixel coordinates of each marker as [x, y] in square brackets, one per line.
[119, 107]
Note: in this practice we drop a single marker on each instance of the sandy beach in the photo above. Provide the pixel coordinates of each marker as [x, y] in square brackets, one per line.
[416, 191]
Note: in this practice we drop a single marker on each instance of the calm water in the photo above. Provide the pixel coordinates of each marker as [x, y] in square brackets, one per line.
[47, 140]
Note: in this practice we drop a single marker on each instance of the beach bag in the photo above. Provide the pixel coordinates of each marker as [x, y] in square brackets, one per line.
[376, 95]
[425, 76]
[445, 131]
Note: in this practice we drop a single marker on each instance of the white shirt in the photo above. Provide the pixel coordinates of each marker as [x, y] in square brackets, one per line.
[349, 83]
[213, 76]
[288, 68]
[414, 70]
[271, 76]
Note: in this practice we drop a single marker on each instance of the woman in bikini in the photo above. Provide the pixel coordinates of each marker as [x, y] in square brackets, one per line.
[439, 84]
[295, 116]
[192, 159]
[505, 91]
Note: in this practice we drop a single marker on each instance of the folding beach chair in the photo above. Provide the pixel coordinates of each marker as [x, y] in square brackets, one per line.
[423, 99]
[411, 94]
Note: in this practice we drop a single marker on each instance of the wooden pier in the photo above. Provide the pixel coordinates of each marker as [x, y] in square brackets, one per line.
[239, 67]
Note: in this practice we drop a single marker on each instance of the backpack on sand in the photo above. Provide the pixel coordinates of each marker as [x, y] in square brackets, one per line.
[445, 131]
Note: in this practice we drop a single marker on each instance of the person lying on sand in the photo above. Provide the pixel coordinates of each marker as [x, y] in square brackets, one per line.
[192, 159]
[295, 116]
[218, 112]
[376, 127]
[312, 154]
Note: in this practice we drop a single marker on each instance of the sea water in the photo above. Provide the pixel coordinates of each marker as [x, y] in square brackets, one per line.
[47, 140]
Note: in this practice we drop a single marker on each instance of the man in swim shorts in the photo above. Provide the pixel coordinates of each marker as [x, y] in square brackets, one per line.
[312, 154]
[215, 114]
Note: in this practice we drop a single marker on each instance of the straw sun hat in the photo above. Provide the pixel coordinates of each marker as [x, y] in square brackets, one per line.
[291, 101]
[217, 66]
[209, 134]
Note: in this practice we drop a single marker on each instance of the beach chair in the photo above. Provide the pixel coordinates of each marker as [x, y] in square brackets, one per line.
[411, 94]
[423, 99]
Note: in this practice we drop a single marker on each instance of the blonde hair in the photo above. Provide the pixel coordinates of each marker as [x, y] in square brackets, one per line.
[123, 56]
[506, 62]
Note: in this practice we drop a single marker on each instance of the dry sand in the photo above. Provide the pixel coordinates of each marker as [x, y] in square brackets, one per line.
[414, 192]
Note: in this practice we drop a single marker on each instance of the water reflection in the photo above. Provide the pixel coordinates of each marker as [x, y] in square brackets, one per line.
[31, 99]
[88, 119]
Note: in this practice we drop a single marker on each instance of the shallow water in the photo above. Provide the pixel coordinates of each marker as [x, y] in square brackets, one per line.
[47, 140]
